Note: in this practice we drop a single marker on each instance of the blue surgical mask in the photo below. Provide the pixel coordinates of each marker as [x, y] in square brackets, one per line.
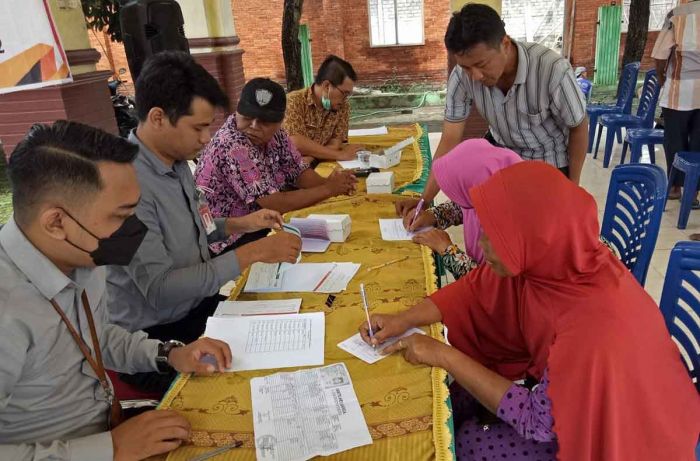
[325, 101]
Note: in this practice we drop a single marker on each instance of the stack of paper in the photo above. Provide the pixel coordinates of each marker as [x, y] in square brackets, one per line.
[392, 230]
[380, 130]
[314, 234]
[360, 349]
[238, 308]
[303, 277]
[308, 413]
[271, 341]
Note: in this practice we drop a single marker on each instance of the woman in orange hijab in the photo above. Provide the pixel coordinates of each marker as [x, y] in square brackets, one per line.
[553, 305]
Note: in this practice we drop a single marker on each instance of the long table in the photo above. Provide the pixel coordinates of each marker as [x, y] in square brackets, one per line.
[406, 407]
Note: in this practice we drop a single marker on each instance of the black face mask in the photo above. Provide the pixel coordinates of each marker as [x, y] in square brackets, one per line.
[119, 248]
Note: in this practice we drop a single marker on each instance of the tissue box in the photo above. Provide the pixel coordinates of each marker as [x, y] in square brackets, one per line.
[380, 183]
[385, 159]
[338, 225]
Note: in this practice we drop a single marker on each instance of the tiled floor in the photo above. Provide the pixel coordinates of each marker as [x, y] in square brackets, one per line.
[595, 179]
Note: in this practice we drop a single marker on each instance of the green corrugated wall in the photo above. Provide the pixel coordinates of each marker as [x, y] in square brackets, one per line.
[307, 67]
[607, 45]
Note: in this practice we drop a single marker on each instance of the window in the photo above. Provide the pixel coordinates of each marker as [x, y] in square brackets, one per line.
[539, 21]
[396, 22]
[658, 10]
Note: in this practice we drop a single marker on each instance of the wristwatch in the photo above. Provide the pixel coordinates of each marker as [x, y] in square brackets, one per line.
[163, 353]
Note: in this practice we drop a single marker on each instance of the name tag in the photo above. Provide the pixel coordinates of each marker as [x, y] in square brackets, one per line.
[205, 213]
[207, 219]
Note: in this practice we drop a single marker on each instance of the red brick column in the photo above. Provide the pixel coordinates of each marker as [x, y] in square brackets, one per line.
[222, 58]
[85, 100]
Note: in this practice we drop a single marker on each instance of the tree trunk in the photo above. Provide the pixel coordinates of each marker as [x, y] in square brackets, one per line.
[636, 31]
[291, 47]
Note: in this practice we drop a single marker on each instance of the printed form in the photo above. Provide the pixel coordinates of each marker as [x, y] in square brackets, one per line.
[393, 230]
[302, 277]
[266, 307]
[308, 413]
[260, 342]
[356, 346]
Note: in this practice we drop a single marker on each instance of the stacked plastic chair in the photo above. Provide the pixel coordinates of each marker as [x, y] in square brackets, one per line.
[643, 119]
[625, 94]
[633, 211]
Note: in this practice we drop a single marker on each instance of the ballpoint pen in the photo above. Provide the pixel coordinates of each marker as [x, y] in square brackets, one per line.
[418, 210]
[364, 303]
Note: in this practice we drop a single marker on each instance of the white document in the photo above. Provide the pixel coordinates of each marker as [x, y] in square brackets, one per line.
[399, 146]
[378, 131]
[356, 346]
[339, 278]
[314, 234]
[303, 277]
[375, 161]
[271, 341]
[350, 164]
[308, 413]
[392, 230]
[238, 308]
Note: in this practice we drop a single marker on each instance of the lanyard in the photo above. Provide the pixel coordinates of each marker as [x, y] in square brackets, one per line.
[96, 363]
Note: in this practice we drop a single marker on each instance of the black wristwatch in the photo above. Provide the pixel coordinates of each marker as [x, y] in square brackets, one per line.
[163, 353]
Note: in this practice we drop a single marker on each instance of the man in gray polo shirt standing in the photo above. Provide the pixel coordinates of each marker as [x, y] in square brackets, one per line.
[171, 286]
[526, 92]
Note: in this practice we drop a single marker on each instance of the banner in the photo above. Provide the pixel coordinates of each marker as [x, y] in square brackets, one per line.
[31, 55]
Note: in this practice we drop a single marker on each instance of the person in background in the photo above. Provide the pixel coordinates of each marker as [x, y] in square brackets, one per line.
[469, 164]
[583, 82]
[251, 164]
[526, 92]
[551, 306]
[677, 56]
[318, 117]
[74, 193]
[172, 284]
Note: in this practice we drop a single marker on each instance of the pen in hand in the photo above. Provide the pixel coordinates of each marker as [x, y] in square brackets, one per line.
[364, 303]
[417, 212]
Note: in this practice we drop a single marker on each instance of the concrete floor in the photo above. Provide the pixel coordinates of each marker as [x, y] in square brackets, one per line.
[595, 179]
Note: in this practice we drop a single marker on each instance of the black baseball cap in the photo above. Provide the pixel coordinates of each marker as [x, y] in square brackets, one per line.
[263, 99]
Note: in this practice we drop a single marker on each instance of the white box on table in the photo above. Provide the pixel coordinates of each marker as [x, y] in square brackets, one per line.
[338, 225]
[385, 159]
[380, 183]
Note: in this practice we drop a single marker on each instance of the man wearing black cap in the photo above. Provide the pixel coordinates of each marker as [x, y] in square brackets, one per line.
[251, 163]
[171, 286]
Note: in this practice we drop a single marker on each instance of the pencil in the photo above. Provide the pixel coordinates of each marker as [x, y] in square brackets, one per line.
[393, 261]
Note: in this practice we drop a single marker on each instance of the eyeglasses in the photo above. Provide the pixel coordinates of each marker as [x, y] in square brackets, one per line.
[345, 94]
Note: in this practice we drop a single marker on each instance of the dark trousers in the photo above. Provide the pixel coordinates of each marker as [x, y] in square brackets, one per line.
[489, 137]
[187, 329]
[190, 327]
[681, 133]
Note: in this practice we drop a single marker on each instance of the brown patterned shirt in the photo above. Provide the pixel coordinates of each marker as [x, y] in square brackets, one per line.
[304, 117]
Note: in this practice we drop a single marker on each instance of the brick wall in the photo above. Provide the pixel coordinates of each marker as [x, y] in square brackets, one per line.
[583, 44]
[113, 58]
[342, 27]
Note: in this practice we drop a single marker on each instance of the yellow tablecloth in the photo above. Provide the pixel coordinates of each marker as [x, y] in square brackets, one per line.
[405, 406]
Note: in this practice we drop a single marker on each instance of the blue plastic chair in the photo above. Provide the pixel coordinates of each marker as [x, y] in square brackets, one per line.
[688, 163]
[680, 304]
[633, 210]
[643, 119]
[636, 138]
[625, 94]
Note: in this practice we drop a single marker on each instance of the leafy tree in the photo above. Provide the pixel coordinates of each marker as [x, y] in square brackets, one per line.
[103, 15]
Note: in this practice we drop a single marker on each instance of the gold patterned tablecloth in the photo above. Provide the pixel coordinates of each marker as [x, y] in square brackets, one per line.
[405, 406]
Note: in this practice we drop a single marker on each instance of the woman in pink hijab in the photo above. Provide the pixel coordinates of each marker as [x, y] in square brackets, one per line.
[468, 165]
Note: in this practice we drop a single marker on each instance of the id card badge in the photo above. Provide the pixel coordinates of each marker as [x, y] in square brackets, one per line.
[205, 213]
